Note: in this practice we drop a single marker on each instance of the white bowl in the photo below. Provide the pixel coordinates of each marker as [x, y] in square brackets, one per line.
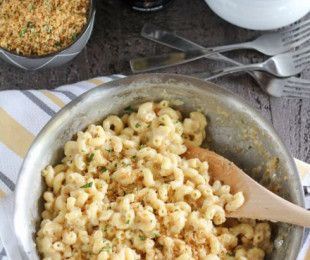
[260, 14]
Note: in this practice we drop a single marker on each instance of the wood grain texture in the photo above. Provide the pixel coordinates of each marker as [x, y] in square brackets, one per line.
[271, 207]
[116, 39]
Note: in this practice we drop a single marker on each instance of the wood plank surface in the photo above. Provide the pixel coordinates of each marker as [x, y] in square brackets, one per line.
[116, 39]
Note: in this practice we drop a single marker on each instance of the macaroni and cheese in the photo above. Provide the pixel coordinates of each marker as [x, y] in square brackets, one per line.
[122, 191]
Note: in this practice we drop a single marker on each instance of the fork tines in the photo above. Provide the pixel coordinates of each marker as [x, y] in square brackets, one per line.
[298, 33]
[296, 87]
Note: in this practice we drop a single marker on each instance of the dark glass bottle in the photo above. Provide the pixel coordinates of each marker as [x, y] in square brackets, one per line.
[147, 5]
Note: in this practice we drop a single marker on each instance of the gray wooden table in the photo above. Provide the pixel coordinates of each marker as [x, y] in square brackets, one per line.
[116, 39]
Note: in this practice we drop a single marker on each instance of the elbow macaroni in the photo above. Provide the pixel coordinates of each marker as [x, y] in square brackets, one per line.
[122, 191]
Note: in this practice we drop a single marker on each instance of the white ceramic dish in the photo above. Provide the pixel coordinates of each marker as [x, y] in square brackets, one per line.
[260, 14]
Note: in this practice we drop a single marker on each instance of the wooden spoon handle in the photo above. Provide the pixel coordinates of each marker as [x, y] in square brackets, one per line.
[260, 203]
[265, 205]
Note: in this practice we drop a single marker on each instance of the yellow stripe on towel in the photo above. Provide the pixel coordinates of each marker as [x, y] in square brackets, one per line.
[54, 98]
[307, 256]
[97, 82]
[13, 135]
[2, 194]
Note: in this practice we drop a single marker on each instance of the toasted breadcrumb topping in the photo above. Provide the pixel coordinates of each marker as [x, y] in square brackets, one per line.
[39, 27]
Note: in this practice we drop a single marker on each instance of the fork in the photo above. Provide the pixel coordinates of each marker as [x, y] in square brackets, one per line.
[287, 87]
[281, 65]
[270, 44]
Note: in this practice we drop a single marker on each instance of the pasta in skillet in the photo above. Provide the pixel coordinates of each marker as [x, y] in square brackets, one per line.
[122, 191]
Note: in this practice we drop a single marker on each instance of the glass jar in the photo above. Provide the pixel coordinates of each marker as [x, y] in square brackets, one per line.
[147, 5]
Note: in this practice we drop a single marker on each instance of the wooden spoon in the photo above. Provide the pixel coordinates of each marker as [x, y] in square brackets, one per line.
[260, 203]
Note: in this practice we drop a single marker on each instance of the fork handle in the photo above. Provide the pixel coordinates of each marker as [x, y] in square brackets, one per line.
[171, 39]
[163, 36]
[229, 70]
[168, 38]
[164, 61]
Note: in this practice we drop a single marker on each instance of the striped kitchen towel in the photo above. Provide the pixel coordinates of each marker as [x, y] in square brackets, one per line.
[22, 116]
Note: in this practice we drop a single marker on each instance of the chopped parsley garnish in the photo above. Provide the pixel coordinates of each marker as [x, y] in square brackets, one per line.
[105, 248]
[106, 228]
[104, 169]
[91, 157]
[141, 146]
[49, 29]
[74, 36]
[160, 245]
[129, 108]
[104, 240]
[142, 238]
[155, 235]
[61, 10]
[124, 193]
[30, 25]
[242, 121]
[22, 32]
[177, 121]
[108, 150]
[125, 164]
[154, 210]
[58, 43]
[143, 203]
[87, 185]
[134, 157]
[137, 125]
[31, 7]
[127, 222]
[232, 254]
[148, 126]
